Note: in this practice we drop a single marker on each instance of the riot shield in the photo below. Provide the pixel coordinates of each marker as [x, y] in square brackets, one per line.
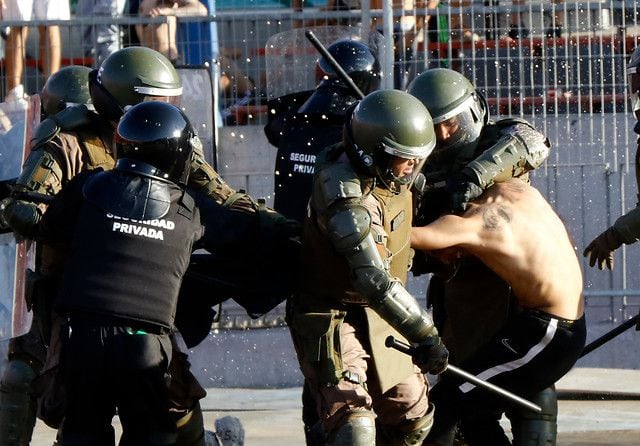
[198, 103]
[291, 59]
[17, 120]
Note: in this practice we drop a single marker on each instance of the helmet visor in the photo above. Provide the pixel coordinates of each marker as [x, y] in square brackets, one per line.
[408, 152]
[173, 100]
[458, 129]
[402, 171]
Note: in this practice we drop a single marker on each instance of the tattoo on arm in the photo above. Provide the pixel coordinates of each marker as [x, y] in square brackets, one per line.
[494, 215]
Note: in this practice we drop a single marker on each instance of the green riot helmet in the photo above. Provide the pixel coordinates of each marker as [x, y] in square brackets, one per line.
[160, 135]
[384, 126]
[459, 112]
[130, 76]
[633, 76]
[357, 60]
[67, 86]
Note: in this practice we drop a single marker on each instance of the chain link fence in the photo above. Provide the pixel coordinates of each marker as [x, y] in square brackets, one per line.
[560, 64]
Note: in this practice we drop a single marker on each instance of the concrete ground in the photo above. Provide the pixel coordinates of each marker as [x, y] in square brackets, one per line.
[607, 413]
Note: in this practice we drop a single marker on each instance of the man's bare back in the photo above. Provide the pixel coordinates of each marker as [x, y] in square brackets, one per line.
[516, 233]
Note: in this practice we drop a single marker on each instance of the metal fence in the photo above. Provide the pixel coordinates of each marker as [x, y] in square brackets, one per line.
[559, 64]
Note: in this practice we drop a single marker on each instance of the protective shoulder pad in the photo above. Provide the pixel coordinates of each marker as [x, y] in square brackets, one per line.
[338, 181]
[508, 122]
[348, 227]
[44, 133]
[127, 195]
[65, 120]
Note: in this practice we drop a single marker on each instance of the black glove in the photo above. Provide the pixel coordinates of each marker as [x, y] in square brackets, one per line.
[601, 248]
[462, 189]
[431, 356]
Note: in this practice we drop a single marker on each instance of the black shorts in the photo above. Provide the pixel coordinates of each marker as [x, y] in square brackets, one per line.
[531, 353]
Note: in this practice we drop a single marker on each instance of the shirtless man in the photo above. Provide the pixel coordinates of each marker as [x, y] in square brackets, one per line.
[515, 232]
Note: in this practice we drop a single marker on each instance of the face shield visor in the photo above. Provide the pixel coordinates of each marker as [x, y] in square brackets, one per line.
[457, 132]
[403, 164]
[171, 96]
[633, 76]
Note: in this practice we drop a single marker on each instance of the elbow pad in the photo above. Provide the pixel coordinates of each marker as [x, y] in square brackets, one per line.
[520, 150]
[350, 233]
[41, 173]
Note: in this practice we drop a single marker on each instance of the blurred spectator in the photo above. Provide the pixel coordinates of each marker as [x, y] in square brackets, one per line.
[162, 37]
[101, 39]
[517, 28]
[50, 46]
[554, 19]
[409, 30]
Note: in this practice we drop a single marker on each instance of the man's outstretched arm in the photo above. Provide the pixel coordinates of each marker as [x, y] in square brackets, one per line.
[445, 232]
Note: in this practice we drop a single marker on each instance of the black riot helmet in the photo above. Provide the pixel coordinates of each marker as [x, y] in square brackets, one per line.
[132, 75]
[357, 60]
[67, 86]
[160, 136]
[387, 124]
[633, 76]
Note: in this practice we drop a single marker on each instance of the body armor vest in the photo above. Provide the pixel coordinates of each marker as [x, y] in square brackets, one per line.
[396, 220]
[332, 281]
[130, 269]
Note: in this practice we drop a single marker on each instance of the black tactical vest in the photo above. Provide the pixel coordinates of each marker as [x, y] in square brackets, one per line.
[127, 268]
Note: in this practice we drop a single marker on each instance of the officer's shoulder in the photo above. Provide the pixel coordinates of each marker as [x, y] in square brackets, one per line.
[66, 120]
[510, 122]
[337, 177]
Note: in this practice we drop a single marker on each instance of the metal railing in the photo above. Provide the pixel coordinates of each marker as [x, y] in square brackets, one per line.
[568, 79]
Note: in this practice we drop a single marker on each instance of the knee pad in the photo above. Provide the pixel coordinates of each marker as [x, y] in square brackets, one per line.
[410, 433]
[358, 428]
[190, 427]
[536, 429]
[17, 408]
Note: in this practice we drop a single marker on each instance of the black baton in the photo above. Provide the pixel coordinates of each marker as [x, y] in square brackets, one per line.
[334, 64]
[405, 348]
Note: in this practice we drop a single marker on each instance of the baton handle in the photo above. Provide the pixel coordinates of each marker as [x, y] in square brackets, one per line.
[407, 349]
[610, 335]
[334, 64]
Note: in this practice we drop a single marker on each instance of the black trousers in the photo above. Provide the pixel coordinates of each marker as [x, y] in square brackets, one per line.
[116, 368]
[530, 354]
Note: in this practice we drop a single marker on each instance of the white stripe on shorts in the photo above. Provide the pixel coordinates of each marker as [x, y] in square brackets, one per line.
[509, 366]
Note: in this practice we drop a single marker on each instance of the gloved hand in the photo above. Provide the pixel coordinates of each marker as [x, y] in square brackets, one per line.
[462, 189]
[431, 356]
[601, 248]
[21, 216]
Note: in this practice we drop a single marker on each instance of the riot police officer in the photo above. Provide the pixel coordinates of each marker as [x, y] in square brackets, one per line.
[470, 302]
[317, 123]
[79, 139]
[300, 132]
[66, 87]
[626, 229]
[355, 258]
[131, 224]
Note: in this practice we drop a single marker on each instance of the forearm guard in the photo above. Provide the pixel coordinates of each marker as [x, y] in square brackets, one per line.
[628, 226]
[521, 150]
[349, 232]
[202, 176]
[41, 174]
